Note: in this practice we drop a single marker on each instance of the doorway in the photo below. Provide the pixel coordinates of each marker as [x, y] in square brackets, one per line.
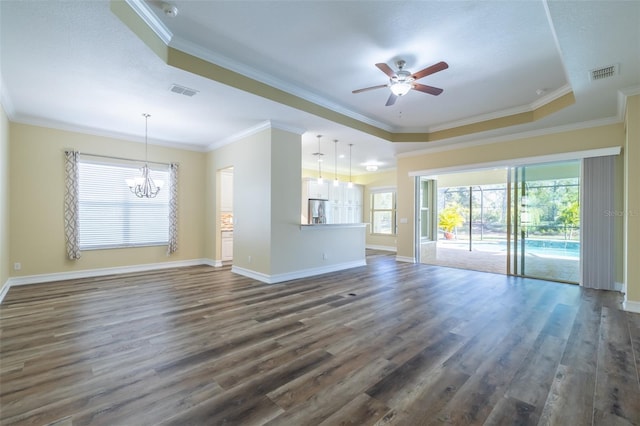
[521, 220]
[469, 211]
[226, 214]
[544, 238]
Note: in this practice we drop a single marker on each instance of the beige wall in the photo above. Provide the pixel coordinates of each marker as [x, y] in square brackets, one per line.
[36, 201]
[5, 263]
[632, 202]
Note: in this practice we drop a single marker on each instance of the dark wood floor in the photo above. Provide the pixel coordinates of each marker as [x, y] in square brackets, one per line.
[389, 343]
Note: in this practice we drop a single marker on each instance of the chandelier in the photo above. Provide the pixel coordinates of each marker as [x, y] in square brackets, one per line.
[143, 186]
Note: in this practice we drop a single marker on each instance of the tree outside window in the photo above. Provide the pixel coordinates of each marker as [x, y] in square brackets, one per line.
[383, 212]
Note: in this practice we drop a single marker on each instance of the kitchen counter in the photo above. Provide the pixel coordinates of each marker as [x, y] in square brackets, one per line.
[332, 225]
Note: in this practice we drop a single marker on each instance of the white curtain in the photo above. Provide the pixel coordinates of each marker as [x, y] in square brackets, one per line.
[173, 208]
[71, 205]
[597, 214]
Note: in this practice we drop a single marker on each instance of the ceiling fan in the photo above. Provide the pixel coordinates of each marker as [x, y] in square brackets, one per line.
[402, 81]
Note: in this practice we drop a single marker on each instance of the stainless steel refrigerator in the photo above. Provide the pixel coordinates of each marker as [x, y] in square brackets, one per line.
[318, 209]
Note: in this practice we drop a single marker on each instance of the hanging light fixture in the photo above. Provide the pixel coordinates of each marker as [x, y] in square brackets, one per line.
[350, 185]
[143, 186]
[319, 154]
[336, 182]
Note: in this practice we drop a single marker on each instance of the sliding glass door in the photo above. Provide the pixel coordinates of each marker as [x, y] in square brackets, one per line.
[544, 228]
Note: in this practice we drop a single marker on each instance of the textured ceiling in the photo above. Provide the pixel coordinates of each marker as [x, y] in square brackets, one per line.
[75, 65]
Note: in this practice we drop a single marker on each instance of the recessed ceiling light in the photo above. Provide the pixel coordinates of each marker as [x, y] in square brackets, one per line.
[170, 10]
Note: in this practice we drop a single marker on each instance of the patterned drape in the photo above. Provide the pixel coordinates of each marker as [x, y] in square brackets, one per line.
[173, 208]
[72, 205]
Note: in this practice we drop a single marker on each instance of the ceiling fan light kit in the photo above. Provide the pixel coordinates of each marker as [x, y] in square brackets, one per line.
[400, 88]
[402, 81]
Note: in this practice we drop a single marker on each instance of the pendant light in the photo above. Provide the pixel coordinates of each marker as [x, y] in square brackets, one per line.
[336, 182]
[319, 154]
[350, 185]
[143, 186]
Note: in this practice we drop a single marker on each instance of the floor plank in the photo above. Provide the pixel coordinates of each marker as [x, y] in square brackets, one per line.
[389, 343]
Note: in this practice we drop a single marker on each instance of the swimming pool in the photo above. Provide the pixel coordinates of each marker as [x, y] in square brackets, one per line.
[535, 247]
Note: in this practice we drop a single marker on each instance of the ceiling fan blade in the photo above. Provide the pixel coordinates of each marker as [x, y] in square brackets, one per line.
[370, 88]
[391, 100]
[386, 69]
[435, 91]
[430, 70]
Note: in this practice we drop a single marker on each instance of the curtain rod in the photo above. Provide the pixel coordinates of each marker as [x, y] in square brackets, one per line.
[121, 158]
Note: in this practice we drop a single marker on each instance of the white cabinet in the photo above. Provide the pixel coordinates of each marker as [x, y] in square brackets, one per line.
[345, 204]
[226, 190]
[227, 245]
[317, 190]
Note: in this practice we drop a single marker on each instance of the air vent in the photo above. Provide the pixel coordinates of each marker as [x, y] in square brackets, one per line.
[183, 90]
[603, 72]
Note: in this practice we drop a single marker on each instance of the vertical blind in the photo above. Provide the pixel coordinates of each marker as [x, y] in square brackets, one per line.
[111, 216]
[597, 241]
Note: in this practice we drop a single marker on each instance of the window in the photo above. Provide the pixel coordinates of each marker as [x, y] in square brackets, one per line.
[383, 212]
[111, 216]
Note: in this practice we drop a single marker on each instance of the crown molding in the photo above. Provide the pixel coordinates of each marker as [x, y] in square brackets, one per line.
[451, 144]
[550, 97]
[67, 127]
[264, 125]
[150, 18]
[554, 34]
[540, 102]
[5, 100]
[623, 94]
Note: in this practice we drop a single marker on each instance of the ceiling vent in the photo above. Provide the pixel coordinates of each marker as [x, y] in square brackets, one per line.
[603, 72]
[183, 90]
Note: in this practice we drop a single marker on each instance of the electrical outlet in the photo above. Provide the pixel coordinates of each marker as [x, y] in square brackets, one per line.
[324, 256]
[17, 266]
[249, 259]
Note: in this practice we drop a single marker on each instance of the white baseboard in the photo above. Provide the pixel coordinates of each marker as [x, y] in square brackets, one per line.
[5, 289]
[631, 306]
[383, 248]
[405, 259]
[304, 273]
[88, 273]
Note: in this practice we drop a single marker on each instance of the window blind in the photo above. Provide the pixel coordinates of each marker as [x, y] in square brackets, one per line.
[597, 243]
[111, 216]
[383, 212]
